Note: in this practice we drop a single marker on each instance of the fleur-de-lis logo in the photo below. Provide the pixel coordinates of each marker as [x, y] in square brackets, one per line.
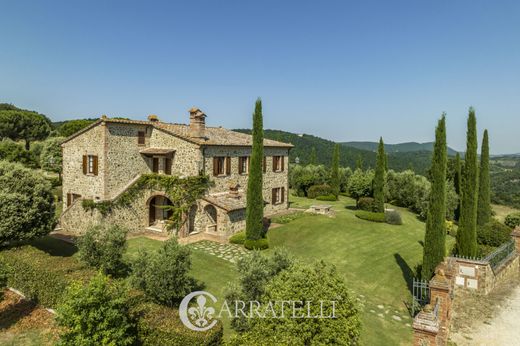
[198, 317]
[200, 313]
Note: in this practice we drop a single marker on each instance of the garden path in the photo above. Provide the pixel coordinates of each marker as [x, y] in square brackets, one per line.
[228, 252]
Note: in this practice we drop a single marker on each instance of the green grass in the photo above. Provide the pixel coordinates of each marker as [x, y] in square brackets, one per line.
[376, 260]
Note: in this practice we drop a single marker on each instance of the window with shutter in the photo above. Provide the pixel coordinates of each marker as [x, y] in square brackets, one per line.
[228, 165]
[90, 164]
[168, 166]
[282, 158]
[220, 165]
[243, 165]
[141, 138]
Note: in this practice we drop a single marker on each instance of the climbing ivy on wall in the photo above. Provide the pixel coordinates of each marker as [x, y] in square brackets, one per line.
[182, 192]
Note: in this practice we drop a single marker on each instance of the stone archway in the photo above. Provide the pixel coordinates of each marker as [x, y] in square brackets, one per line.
[158, 213]
[211, 215]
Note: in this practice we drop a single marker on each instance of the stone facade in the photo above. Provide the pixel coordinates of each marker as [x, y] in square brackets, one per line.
[126, 149]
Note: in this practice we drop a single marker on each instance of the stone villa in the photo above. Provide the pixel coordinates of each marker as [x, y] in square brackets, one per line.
[103, 160]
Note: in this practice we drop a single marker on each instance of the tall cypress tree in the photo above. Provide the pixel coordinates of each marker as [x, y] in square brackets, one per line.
[334, 172]
[312, 158]
[457, 182]
[484, 193]
[255, 200]
[467, 232]
[435, 237]
[379, 179]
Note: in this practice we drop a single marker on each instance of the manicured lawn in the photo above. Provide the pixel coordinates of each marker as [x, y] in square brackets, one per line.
[377, 261]
[501, 211]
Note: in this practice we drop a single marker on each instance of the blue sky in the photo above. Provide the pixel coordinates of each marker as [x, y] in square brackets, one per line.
[343, 70]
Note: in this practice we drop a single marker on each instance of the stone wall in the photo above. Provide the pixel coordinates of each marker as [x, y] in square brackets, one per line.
[89, 186]
[270, 179]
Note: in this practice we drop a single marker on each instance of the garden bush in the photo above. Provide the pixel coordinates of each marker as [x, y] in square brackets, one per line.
[319, 190]
[512, 220]
[41, 277]
[3, 279]
[258, 244]
[366, 203]
[393, 217]
[27, 208]
[159, 325]
[371, 216]
[164, 274]
[96, 314]
[238, 238]
[493, 233]
[102, 247]
[330, 198]
[451, 228]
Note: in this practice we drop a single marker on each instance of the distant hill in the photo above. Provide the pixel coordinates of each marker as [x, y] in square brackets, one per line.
[397, 148]
[419, 161]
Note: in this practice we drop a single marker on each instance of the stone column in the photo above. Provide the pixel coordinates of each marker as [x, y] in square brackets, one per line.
[516, 236]
[441, 293]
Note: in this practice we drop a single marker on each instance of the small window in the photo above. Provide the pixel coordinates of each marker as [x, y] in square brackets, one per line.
[278, 163]
[141, 138]
[71, 197]
[90, 164]
[221, 165]
[243, 165]
[278, 195]
[155, 165]
[167, 166]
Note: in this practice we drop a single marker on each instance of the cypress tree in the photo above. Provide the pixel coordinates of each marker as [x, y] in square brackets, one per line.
[312, 159]
[435, 236]
[467, 232]
[457, 182]
[379, 179]
[484, 193]
[334, 172]
[255, 200]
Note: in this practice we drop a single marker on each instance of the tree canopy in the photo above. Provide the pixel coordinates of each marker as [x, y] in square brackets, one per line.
[24, 125]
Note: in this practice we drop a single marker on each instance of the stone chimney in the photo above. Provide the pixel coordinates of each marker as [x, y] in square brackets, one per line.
[197, 123]
[153, 118]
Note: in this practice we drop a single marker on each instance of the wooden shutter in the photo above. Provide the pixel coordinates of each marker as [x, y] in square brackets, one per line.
[273, 197]
[274, 163]
[228, 165]
[84, 164]
[282, 198]
[168, 166]
[215, 166]
[240, 159]
[140, 138]
[282, 158]
[248, 163]
[265, 164]
[69, 199]
[95, 165]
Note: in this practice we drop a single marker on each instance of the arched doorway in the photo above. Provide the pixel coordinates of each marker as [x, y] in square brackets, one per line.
[158, 211]
[211, 215]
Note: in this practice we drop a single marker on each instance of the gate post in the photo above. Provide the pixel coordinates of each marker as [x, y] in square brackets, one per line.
[441, 292]
[516, 236]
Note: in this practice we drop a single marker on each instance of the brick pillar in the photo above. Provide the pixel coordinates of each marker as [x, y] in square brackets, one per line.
[516, 237]
[441, 291]
[425, 328]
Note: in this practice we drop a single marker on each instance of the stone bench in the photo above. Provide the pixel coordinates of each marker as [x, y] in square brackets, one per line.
[320, 209]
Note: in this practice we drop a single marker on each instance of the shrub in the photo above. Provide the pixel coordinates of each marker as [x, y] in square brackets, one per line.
[41, 277]
[3, 279]
[26, 203]
[319, 190]
[159, 325]
[484, 250]
[393, 217]
[366, 203]
[306, 283]
[330, 198]
[301, 178]
[258, 244]
[96, 314]
[238, 238]
[451, 229]
[370, 216]
[14, 152]
[512, 220]
[255, 270]
[360, 184]
[164, 274]
[103, 247]
[493, 233]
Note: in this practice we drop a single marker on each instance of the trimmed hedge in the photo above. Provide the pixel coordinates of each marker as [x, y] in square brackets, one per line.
[371, 216]
[319, 190]
[512, 220]
[329, 198]
[238, 238]
[41, 277]
[283, 219]
[393, 217]
[366, 203]
[159, 325]
[493, 234]
[259, 244]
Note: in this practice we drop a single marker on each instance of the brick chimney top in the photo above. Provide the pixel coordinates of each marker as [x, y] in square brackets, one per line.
[153, 117]
[197, 123]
